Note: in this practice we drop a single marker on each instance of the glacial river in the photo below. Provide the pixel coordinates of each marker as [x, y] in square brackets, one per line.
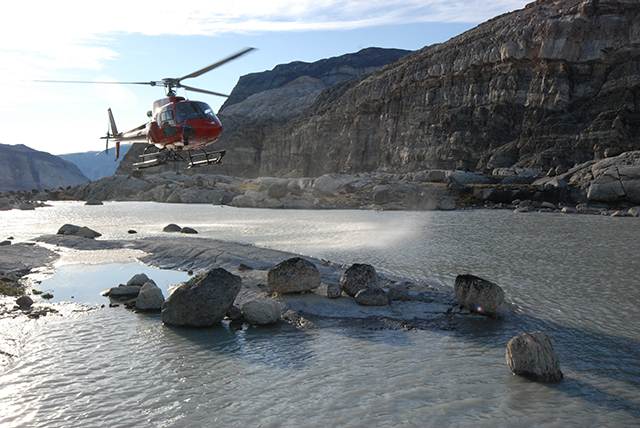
[575, 277]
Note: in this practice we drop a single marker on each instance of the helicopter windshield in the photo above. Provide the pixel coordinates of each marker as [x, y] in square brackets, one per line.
[193, 110]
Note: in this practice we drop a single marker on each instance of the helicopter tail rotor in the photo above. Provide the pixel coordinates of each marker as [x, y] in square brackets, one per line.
[112, 132]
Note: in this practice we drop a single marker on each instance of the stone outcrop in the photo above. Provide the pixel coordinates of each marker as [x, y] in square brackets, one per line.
[549, 86]
[359, 277]
[293, 275]
[22, 168]
[202, 301]
[478, 295]
[532, 355]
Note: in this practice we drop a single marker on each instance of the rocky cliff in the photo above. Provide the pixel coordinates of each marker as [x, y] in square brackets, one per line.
[549, 86]
[22, 168]
[262, 103]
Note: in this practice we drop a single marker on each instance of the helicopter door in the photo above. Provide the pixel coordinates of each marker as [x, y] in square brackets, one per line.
[167, 122]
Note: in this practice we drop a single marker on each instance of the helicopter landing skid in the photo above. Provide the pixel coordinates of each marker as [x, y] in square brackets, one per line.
[156, 159]
[205, 158]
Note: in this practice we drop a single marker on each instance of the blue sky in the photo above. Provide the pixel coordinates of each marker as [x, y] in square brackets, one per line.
[144, 41]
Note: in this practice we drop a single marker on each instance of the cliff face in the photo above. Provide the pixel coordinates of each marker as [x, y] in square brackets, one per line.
[22, 168]
[262, 103]
[554, 84]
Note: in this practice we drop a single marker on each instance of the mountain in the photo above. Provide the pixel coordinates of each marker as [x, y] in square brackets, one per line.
[97, 164]
[549, 86]
[22, 168]
[262, 103]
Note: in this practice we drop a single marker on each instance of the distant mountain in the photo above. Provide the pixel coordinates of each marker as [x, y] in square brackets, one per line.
[23, 168]
[97, 164]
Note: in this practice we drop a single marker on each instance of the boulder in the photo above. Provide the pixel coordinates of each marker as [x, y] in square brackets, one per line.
[24, 301]
[188, 230]
[123, 291]
[532, 355]
[478, 295]
[334, 290]
[374, 296]
[68, 229]
[172, 228]
[279, 189]
[447, 204]
[399, 292]
[293, 276]
[203, 300]
[139, 280]
[261, 311]
[150, 298]
[85, 232]
[359, 277]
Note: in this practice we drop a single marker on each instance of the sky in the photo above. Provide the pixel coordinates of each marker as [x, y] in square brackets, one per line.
[120, 41]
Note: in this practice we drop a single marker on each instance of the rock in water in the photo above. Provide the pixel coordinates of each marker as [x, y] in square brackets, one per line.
[261, 311]
[203, 301]
[293, 276]
[150, 298]
[172, 228]
[375, 296]
[531, 355]
[24, 301]
[359, 277]
[139, 279]
[478, 295]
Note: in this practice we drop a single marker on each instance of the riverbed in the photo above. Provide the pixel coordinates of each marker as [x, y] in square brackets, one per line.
[573, 276]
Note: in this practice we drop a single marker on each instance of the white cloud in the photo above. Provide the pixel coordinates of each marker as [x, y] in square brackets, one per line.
[39, 40]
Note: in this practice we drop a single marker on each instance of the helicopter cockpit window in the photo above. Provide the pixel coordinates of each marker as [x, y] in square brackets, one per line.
[166, 117]
[193, 110]
[208, 112]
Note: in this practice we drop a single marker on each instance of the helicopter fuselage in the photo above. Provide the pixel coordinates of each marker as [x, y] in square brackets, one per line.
[177, 124]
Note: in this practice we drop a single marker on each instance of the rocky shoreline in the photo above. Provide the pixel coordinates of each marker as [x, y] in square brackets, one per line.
[609, 186]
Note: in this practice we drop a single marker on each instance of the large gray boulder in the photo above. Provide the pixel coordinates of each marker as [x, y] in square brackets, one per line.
[374, 296]
[478, 295]
[139, 279]
[261, 311]
[203, 301]
[293, 276]
[150, 298]
[359, 277]
[532, 355]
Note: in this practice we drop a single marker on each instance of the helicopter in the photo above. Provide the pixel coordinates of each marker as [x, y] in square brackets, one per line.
[176, 125]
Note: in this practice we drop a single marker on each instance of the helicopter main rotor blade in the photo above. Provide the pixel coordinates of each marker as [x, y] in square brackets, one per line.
[101, 83]
[203, 91]
[212, 66]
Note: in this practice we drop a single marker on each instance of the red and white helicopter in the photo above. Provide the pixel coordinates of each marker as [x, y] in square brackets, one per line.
[176, 125]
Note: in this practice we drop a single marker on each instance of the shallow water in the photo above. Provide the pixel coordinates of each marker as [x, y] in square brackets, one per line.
[575, 277]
